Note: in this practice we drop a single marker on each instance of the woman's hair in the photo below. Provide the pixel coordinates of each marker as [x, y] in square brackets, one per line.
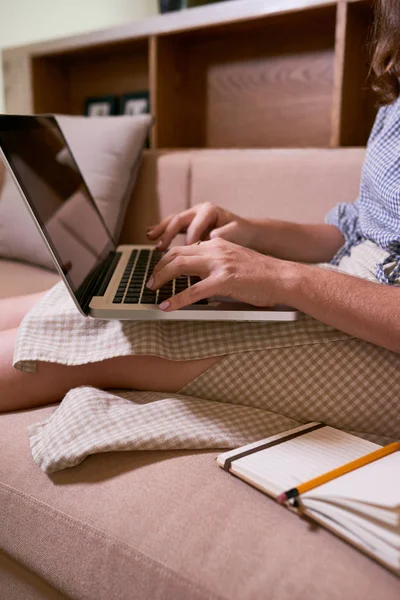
[386, 57]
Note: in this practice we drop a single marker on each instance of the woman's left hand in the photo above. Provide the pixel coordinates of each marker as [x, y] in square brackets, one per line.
[226, 270]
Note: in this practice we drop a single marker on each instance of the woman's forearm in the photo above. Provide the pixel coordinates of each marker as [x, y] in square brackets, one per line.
[361, 308]
[294, 241]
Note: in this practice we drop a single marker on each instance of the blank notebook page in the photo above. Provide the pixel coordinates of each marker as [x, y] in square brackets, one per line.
[296, 461]
[356, 485]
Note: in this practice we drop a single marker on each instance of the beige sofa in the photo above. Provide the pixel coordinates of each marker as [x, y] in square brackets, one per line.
[172, 525]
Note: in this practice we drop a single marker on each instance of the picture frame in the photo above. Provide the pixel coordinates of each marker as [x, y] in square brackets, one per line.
[135, 103]
[101, 106]
[170, 5]
[174, 5]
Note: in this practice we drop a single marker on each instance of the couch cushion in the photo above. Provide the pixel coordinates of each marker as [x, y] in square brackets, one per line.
[162, 189]
[18, 278]
[297, 185]
[166, 525]
[19, 583]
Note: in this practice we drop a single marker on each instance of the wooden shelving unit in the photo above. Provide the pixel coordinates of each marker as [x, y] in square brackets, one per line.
[243, 73]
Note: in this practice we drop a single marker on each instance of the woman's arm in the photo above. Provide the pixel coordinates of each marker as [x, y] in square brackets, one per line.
[294, 241]
[367, 310]
[361, 308]
[290, 241]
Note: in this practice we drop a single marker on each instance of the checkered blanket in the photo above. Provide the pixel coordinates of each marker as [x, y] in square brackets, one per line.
[280, 366]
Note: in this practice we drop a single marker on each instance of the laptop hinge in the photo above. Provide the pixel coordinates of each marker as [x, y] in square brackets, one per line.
[97, 281]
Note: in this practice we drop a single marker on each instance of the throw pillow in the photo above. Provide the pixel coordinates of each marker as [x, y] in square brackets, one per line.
[108, 151]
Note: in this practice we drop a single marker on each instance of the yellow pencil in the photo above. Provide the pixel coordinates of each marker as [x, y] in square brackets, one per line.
[351, 466]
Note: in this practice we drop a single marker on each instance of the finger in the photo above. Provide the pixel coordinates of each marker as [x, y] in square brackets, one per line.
[226, 232]
[203, 289]
[155, 231]
[182, 265]
[204, 219]
[176, 225]
[173, 254]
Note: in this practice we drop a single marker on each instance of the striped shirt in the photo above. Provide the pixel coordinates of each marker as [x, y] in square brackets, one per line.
[375, 215]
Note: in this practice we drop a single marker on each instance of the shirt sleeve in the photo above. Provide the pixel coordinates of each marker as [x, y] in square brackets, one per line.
[345, 217]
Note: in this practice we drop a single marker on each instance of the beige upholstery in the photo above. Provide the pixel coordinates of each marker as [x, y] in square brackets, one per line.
[162, 189]
[173, 526]
[286, 184]
[166, 525]
[18, 278]
[19, 583]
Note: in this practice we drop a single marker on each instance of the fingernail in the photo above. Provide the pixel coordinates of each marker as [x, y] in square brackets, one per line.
[164, 305]
[160, 243]
[148, 229]
[150, 282]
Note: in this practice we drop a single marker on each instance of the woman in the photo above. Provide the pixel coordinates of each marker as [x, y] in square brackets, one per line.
[339, 365]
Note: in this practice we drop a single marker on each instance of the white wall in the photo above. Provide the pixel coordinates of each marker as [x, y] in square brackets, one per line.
[26, 21]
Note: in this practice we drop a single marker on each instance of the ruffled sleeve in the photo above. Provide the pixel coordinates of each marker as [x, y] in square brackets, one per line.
[345, 217]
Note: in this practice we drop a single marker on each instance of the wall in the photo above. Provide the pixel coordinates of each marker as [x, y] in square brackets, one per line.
[26, 21]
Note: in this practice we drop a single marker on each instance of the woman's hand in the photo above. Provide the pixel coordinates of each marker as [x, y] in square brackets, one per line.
[288, 241]
[203, 222]
[226, 270]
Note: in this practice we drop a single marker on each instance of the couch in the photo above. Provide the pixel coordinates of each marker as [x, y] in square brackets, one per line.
[172, 525]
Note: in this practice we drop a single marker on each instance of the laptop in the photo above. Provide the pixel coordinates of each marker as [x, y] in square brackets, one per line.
[106, 281]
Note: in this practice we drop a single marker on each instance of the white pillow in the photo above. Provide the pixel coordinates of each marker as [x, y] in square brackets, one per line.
[108, 151]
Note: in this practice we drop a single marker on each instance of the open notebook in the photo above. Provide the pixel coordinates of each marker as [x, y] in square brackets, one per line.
[362, 506]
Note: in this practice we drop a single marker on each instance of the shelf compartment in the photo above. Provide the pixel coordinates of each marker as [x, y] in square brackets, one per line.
[260, 83]
[61, 82]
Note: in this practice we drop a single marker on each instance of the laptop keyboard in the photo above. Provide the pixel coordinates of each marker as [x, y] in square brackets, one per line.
[132, 287]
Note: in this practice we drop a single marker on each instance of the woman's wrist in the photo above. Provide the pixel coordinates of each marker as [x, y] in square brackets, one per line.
[262, 235]
[307, 243]
[288, 282]
[275, 238]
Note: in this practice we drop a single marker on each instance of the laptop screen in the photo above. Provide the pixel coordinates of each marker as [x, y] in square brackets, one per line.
[57, 194]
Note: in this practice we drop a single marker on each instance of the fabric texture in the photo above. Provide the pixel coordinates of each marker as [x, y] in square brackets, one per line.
[18, 278]
[375, 214]
[273, 374]
[162, 188]
[300, 186]
[108, 151]
[91, 421]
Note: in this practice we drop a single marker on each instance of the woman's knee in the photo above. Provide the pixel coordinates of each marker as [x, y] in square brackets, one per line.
[151, 373]
[51, 381]
[13, 310]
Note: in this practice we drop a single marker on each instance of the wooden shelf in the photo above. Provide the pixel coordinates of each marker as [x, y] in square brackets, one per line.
[243, 73]
[267, 84]
[60, 83]
[354, 104]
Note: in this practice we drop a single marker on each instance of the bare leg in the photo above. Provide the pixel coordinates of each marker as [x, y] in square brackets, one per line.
[52, 381]
[13, 310]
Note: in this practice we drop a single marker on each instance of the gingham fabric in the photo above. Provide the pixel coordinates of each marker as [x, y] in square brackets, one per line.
[376, 213]
[271, 377]
[90, 421]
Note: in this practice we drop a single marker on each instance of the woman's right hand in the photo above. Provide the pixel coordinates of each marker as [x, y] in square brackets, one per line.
[203, 222]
